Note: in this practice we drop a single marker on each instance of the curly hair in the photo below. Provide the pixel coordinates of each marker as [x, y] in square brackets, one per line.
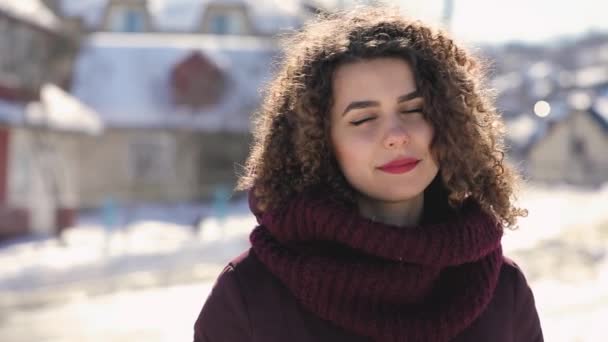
[292, 152]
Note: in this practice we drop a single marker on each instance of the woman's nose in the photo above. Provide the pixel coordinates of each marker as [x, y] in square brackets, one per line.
[397, 136]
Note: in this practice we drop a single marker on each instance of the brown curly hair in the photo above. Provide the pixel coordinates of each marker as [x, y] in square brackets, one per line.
[292, 151]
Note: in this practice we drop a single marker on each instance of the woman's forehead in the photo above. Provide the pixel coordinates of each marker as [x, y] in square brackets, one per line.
[373, 81]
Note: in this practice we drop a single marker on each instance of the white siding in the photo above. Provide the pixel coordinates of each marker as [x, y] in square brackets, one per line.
[42, 175]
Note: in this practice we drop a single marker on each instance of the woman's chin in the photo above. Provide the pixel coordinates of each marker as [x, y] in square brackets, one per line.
[392, 196]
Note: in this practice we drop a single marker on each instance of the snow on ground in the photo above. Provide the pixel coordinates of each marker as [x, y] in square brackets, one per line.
[551, 209]
[562, 248]
[90, 246]
[152, 315]
[148, 278]
[146, 250]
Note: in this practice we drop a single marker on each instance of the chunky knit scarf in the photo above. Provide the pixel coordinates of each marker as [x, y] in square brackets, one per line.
[422, 283]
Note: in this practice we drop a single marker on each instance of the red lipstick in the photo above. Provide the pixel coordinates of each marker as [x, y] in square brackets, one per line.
[400, 165]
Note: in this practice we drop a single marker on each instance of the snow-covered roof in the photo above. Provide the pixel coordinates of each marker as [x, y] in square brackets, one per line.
[591, 76]
[521, 129]
[540, 70]
[56, 110]
[600, 111]
[601, 105]
[579, 100]
[32, 11]
[126, 78]
[269, 16]
[508, 81]
[60, 111]
[525, 131]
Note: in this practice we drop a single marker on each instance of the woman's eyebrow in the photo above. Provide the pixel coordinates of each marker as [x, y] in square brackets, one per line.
[359, 105]
[408, 97]
[368, 103]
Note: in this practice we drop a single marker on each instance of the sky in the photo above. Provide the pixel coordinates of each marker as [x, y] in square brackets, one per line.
[498, 21]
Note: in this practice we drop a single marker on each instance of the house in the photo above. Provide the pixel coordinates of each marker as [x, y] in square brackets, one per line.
[149, 117]
[570, 144]
[42, 159]
[35, 56]
[567, 143]
[222, 17]
[35, 46]
[175, 109]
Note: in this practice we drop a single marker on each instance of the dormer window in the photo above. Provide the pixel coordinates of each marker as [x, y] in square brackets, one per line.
[226, 19]
[226, 23]
[127, 20]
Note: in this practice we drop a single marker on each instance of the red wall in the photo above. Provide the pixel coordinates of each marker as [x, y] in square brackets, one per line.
[64, 218]
[13, 221]
[4, 140]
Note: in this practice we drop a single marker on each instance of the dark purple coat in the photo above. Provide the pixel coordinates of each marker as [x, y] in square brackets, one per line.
[249, 304]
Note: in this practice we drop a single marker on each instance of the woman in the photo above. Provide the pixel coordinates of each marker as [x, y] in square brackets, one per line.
[378, 181]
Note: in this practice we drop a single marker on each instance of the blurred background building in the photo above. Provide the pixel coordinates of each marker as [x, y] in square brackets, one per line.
[124, 124]
[163, 91]
[164, 97]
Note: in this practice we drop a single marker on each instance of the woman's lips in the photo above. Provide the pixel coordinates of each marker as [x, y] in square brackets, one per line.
[401, 165]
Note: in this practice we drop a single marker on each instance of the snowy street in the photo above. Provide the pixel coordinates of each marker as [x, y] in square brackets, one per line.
[149, 280]
[156, 314]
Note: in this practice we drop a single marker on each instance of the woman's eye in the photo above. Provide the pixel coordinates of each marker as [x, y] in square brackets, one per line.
[417, 110]
[410, 111]
[357, 123]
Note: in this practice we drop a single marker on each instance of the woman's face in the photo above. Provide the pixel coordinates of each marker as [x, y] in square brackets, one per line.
[376, 119]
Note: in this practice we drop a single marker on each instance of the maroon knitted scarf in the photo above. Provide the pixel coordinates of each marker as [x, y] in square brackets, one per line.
[422, 283]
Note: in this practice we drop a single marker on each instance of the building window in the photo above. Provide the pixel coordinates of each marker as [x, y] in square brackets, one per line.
[226, 23]
[151, 158]
[10, 53]
[134, 21]
[219, 24]
[127, 20]
[577, 147]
